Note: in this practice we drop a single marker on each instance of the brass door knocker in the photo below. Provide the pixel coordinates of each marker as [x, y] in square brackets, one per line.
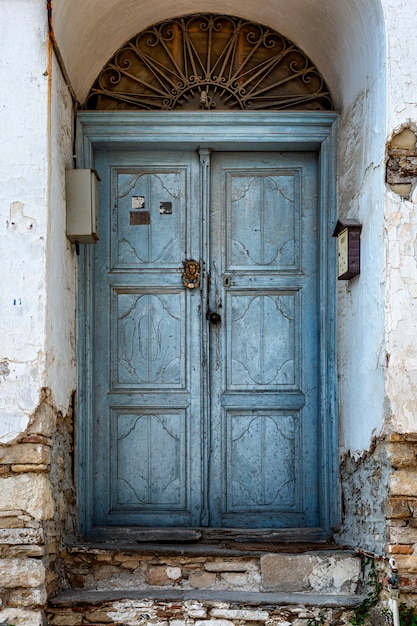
[191, 275]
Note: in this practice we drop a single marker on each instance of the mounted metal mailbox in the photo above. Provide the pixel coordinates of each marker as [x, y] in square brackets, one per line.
[348, 233]
[82, 205]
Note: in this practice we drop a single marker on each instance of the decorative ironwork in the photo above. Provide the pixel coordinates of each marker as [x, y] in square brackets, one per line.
[209, 62]
[191, 276]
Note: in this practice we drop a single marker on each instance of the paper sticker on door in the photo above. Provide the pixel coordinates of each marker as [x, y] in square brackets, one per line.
[165, 208]
[138, 202]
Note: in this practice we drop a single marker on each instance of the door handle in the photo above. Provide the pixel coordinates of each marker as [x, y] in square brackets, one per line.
[213, 317]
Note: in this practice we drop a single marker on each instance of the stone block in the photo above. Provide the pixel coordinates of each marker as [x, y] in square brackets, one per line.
[202, 580]
[402, 454]
[22, 617]
[231, 566]
[157, 576]
[21, 573]
[174, 573]
[240, 614]
[406, 564]
[21, 536]
[10, 552]
[403, 535]
[67, 619]
[197, 612]
[29, 492]
[98, 617]
[332, 574]
[399, 549]
[25, 453]
[403, 483]
[131, 564]
[235, 580]
[20, 469]
[398, 508]
[32, 598]
[214, 622]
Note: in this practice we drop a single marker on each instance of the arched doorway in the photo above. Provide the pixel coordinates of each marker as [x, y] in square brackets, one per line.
[210, 395]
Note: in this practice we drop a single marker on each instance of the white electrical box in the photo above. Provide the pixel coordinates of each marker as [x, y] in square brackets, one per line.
[82, 205]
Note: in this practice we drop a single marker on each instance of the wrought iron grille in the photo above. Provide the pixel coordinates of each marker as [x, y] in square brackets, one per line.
[211, 62]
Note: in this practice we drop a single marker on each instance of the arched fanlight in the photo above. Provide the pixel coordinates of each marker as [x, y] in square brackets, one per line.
[211, 62]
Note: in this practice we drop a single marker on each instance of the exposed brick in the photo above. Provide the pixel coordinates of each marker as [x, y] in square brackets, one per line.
[398, 508]
[397, 549]
[407, 564]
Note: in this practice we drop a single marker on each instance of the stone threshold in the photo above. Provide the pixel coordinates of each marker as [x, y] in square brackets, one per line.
[236, 598]
[219, 549]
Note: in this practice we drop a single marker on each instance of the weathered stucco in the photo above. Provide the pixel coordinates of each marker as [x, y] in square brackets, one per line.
[364, 49]
[38, 277]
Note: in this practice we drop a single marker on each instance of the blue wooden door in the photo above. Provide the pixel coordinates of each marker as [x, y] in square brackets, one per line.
[205, 399]
[264, 369]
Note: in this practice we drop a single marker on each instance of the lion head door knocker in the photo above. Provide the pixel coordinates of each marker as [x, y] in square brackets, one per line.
[191, 275]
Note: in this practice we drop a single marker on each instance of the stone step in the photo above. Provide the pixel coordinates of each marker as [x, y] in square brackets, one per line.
[179, 607]
[81, 598]
[101, 568]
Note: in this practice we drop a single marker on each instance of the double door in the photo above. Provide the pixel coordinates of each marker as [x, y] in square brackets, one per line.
[206, 332]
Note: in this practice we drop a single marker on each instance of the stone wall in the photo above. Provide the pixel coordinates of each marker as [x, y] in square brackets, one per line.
[35, 500]
[401, 510]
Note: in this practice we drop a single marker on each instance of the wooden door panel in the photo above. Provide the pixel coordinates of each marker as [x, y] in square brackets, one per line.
[154, 476]
[148, 340]
[264, 438]
[261, 353]
[157, 195]
[147, 461]
[264, 480]
[263, 222]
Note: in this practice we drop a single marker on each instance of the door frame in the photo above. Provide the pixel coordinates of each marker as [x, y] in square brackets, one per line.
[220, 131]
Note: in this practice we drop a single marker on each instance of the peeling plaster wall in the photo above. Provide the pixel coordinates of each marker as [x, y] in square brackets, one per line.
[401, 227]
[37, 299]
[377, 328]
[61, 371]
[24, 218]
[347, 41]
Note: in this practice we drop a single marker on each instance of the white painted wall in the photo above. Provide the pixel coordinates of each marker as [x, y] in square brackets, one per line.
[401, 226]
[23, 210]
[61, 371]
[347, 42]
[37, 273]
